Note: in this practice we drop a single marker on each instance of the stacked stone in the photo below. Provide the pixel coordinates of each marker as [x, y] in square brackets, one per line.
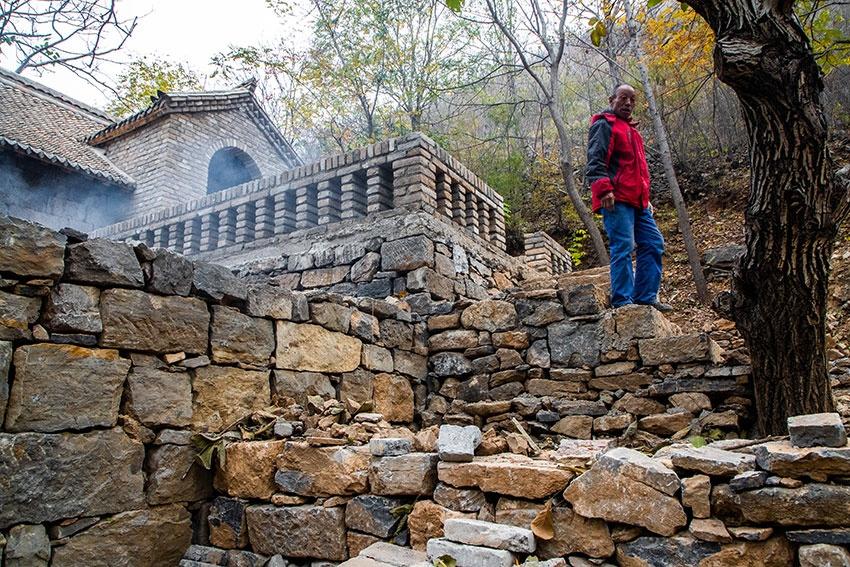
[395, 253]
[551, 356]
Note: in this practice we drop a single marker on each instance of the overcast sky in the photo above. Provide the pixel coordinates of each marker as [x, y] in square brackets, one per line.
[185, 31]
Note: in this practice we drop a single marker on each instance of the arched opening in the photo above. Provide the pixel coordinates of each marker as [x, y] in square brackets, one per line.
[229, 167]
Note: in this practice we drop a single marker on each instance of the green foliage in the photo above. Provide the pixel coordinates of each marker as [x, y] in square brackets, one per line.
[576, 247]
[698, 441]
[401, 513]
[597, 31]
[455, 5]
[144, 77]
[209, 446]
[825, 27]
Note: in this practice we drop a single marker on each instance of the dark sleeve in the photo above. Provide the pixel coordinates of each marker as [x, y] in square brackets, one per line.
[598, 157]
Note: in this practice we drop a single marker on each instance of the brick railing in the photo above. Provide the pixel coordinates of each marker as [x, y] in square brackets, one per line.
[411, 171]
[544, 254]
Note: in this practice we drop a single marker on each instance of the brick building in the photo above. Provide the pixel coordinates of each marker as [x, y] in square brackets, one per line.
[64, 163]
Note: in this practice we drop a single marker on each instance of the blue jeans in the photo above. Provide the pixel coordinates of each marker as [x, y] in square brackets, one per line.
[629, 229]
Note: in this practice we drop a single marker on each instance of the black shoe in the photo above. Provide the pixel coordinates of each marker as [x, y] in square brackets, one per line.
[662, 307]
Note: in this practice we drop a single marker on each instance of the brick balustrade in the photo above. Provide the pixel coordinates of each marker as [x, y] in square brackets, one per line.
[544, 254]
[411, 171]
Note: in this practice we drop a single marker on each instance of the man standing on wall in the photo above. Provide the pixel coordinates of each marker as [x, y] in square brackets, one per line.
[619, 184]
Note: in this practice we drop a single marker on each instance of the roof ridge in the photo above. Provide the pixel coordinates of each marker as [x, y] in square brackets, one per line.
[75, 104]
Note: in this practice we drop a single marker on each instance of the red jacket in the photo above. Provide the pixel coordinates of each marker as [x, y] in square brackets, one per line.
[616, 161]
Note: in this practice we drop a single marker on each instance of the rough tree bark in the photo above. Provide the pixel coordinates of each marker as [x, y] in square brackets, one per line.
[795, 205]
[667, 158]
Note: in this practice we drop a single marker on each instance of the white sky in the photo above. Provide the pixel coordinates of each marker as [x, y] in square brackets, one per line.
[184, 31]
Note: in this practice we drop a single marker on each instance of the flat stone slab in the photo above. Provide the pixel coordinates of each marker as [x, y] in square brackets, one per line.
[784, 459]
[713, 462]
[394, 555]
[489, 534]
[390, 447]
[413, 474]
[508, 474]
[458, 444]
[469, 555]
[838, 536]
[812, 505]
[298, 531]
[817, 430]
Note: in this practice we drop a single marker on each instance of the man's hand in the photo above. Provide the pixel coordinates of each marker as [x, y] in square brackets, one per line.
[608, 201]
[650, 207]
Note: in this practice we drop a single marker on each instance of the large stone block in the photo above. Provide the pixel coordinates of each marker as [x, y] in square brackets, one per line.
[393, 397]
[696, 347]
[300, 385]
[47, 477]
[783, 458]
[60, 387]
[248, 470]
[171, 274]
[413, 474]
[30, 250]
[269, 301]
[215, 282]
[27, 546]
[819, 429]
[489, 534]
[144, 538]
[323, 471]
[235, 337]
[576, 534]
[228, 523]
[711, 461]
[323, 277]
[628, 487]
[104, 262]
[824, 505]
[372, 514]
[158, 398]
[357, 386]
[301, 346]
[298, 531]
[508, 474]
[470, 555]
[174, 475]
[665, 552]
[458, 444]
[136, 320]
[17, 313]
[641, 322]
[576, 343]
[489, 315]
[74, 309]
[223, 394]
[407, 254]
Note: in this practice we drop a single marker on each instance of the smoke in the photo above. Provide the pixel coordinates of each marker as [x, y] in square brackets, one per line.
[229, 167]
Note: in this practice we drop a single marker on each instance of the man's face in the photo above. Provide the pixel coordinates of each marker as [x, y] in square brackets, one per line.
[623, 102]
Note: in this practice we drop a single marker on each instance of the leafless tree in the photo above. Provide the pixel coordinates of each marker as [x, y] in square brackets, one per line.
[73, 34]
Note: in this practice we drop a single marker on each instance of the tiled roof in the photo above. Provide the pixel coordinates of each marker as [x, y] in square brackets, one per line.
[241, 97]
[44, 124]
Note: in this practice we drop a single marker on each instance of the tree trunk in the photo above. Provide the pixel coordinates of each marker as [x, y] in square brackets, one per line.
[667, 160]
[794, 208]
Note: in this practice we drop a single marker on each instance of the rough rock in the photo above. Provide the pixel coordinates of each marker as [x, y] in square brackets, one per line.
[377, 358]
[60, 387]
[17, 313]
[228, 523]
[665, 424]
[823, 555]
[104, 262]
[390, 447]
[665, 552]
[387, 554]
[823, 505]
[269, 301]
[175, 476]
[393, 398]
[459, 499]
[323, 277]
[694, 402]
[300, 385]
[641, 322]
[489, 315]
[774, 552]
[77, 474]
[817, 430]
[157, 398]
[27, 546]
[469, 555]
[445, 364]
[223, 394]
[839, 536]
[679, 349]
[74, 309]
[30, 250]
[711, 461]
[628, 487]
[215, 282]
[235, 337]
[372, 514]
[314, 348]
[249, 469]
[171, 274]
[575, 343]
[136, 320]
[410, 364]
[489, 534]
[457, 443]
[709, 529]
[5, 362]
[576, 534]
[407, 254]
[696, 493]
[576, 426]
[454, 339]
[414, 474]
[322, 471]
[784, 459]
[426, 520]
[508, 474]
[298, 531]
[364, 269]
